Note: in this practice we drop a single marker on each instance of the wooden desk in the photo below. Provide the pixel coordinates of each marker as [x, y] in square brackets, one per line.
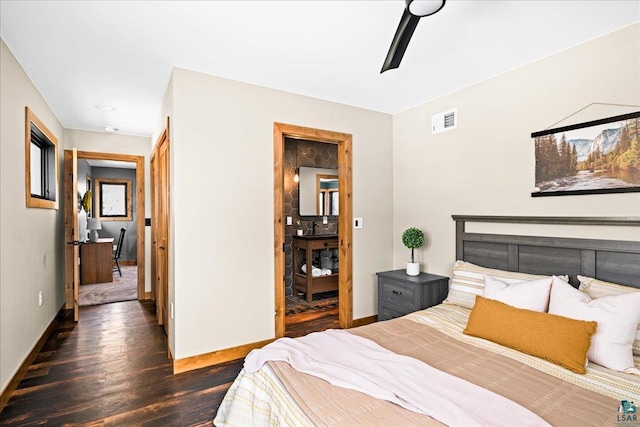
[96, 261]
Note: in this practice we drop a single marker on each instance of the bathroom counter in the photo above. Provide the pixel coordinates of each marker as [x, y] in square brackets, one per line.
[305, 282]
[316, 236]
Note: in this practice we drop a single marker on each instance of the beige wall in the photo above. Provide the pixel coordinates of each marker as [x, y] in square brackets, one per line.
[31, 251]
[222, 200]
[486, 165]
[102, 142]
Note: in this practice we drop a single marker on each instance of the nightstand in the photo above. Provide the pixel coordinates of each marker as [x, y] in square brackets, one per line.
[400, 294]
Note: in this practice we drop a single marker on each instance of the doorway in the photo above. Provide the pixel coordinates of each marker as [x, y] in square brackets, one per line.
[285, 137]
[312, 258]
[73, 184]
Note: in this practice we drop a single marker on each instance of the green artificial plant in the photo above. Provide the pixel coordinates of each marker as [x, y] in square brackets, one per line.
[413, 238]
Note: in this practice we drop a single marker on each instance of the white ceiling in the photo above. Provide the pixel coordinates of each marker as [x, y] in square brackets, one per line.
[80, 54]
[111, 164]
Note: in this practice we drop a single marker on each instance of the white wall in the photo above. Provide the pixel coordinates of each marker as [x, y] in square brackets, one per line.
[486, 165]
[31, 244]
[102, 142]
[222, 201]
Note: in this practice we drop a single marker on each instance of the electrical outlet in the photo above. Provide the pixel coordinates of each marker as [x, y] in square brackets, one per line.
[40, 298]
[357, 222]
[171, 309]
[289, 220]
[325, 220]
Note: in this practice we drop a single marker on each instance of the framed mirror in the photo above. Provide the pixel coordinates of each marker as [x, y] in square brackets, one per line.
[113, 196]
[318, 192]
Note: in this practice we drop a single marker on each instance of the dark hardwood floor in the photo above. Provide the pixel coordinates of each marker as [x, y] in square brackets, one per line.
[112, 369]
[297, 325]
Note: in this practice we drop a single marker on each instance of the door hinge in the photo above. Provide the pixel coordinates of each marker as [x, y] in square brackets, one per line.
[283, 250]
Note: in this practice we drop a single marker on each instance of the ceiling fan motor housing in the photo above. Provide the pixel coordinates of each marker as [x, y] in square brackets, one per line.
[424, 7]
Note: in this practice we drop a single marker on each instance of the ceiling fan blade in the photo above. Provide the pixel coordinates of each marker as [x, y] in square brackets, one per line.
[405, 30]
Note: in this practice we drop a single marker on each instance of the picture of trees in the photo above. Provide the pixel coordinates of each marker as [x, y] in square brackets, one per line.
[596, 157]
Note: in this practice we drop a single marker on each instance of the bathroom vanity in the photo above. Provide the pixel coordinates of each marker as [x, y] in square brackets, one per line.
[311, 246]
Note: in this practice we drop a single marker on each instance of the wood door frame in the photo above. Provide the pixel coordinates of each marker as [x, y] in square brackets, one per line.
[71, 244]
[345, 218]
[140, 186]
[152, 234]
[164, 138]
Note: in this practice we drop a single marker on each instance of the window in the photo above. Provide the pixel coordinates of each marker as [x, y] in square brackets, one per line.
[41, 169]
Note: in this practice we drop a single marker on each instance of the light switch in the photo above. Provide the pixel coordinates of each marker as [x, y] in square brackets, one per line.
[357, 222]
[289, 220]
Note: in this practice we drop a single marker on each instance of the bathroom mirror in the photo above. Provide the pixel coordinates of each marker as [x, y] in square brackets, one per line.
[318, 192]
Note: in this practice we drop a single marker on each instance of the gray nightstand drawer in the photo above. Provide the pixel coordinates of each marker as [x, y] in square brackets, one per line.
[398, 293]
[388, 311]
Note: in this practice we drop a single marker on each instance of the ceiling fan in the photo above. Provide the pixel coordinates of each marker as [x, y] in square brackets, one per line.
[414, 10]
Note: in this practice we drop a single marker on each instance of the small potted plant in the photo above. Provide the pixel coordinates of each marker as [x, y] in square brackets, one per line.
[413, 238]
[299, 230]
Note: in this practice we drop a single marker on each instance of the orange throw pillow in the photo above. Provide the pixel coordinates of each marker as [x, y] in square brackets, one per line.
[557, 339]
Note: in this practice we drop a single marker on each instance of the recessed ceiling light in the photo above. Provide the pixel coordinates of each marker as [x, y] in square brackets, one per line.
[110, 129]
[105, 107]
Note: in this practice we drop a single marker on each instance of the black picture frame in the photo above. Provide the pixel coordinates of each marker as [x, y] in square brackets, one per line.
[596, 157]
[114, 198]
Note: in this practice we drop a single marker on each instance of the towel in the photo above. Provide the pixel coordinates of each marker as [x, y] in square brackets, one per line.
[315, 271]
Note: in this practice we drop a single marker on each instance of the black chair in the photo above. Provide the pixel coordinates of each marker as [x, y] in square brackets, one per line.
[118, 250]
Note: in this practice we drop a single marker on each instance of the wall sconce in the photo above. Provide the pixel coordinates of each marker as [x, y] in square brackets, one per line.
[86, 201]
[296, 177]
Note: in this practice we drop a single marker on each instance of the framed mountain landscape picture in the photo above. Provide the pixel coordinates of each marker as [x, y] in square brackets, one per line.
[601, 156]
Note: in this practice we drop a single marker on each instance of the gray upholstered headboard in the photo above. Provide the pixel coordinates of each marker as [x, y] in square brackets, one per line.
[611, 260]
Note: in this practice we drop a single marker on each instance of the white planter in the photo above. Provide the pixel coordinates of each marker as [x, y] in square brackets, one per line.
[413, 268]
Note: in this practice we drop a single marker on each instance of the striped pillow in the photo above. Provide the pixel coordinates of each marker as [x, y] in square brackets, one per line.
[468, 281]
[596, 288]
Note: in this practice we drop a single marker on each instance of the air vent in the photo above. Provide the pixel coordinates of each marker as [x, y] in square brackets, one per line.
[445, 121]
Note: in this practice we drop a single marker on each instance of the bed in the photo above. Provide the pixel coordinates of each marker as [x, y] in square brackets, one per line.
[277, 394]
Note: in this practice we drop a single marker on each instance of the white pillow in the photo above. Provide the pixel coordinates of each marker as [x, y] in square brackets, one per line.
[597, 288]
[617, 318]
[533, 295]
[467, 281]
